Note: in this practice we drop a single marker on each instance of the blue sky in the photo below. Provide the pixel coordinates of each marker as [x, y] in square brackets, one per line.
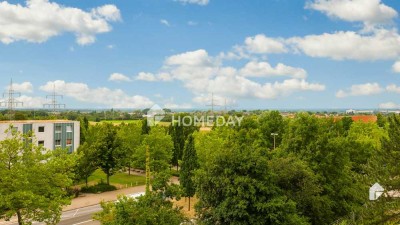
[279, 54]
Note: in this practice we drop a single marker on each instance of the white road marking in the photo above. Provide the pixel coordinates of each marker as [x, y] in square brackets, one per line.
[75, 213]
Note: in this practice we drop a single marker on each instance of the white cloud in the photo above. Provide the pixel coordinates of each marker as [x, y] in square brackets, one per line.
[261, 44]
[39, 20]
[109, 12]
[194, 58]
[192, 23]
[389, 105]
[396, 67]
[165, 22]
[198, 2]
[264, 69]
[25, 87]
[102, 95]
[150, 77]
[119, 77]
[360, 90]
[146, 77]
[381, 44]
[32, 102]
[110, 46]
[202, 74]
[393, 88]
[366, 11]
[177, 106]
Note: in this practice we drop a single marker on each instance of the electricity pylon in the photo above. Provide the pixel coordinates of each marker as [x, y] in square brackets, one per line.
[213, 104]
[54, 105]
[10, 100]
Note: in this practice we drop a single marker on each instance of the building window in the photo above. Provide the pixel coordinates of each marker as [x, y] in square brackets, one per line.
[69, 142]
[69, 128]
[41, 143]
[58, 129]
[41, 129]
[58, 143]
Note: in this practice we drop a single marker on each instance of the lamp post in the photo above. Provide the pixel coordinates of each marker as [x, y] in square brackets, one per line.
[274, 135]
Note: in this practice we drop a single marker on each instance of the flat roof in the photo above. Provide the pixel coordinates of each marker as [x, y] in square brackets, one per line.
[34, 121]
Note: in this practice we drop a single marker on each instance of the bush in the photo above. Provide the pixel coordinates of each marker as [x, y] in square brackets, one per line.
[175, 173]
[73, 192]
[98, 188]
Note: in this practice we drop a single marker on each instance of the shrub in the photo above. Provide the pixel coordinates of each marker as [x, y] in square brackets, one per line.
[98, 188]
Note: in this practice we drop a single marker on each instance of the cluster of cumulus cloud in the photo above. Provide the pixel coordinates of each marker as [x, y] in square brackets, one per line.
[201, 73]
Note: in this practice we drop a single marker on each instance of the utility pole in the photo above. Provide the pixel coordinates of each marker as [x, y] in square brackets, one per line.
[54, 104]
[147, 170]
[10, 100]
[212, 103]
[274, 135]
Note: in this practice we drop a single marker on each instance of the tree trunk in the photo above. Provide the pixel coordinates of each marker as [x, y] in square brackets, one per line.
[19, 218]
[189, 203]
[129, 169]
[86, 181]
[108, 178]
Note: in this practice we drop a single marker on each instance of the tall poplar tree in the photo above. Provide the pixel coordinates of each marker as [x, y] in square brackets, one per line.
[189, 165]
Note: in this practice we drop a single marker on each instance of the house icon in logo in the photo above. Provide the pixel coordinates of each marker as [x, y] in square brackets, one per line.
[155, 115]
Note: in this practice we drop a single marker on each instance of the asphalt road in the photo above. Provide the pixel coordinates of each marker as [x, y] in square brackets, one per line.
[82, 216]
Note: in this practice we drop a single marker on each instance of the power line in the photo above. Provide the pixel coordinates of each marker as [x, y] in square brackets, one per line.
[10, 100]
[213, 104]
[54, 104]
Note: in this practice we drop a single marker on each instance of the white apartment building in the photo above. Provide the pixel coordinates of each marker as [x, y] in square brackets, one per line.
[51, 134]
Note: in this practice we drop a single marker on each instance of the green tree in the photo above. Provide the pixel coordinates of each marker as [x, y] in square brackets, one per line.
[323, 145]
[179, 133]
[189, 165]
[239, 188]
[86, 163]
[33, 180]
[271, 122]
[130, 138]
[151, 209]
[145, 127]
[300, 184]
[160, 145]
[84, 127]
[109, 155]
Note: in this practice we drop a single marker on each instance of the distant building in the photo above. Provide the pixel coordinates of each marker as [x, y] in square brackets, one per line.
[352, 112]
[51, 134]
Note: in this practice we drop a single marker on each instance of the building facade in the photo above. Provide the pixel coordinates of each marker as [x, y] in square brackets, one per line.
[51, 134]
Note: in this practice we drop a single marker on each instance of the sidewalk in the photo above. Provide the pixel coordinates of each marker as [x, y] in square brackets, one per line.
[94, 199]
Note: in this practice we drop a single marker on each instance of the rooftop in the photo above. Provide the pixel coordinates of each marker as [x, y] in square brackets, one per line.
[33, 121]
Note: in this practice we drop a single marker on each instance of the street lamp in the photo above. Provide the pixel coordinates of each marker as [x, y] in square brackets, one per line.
[274, 135]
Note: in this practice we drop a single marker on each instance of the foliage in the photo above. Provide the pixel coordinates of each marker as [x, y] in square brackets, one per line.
[86, 163]
[119, 179]
[189, 165]
[271, 122]
[109, 155]
[98, 188]
[151, 209]
[33, 180]
[179, 134]
[238, 188]
[160, 145]
[130, 138]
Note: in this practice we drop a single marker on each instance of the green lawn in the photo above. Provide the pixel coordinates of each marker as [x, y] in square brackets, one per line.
[120, 180]
[118, 122]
